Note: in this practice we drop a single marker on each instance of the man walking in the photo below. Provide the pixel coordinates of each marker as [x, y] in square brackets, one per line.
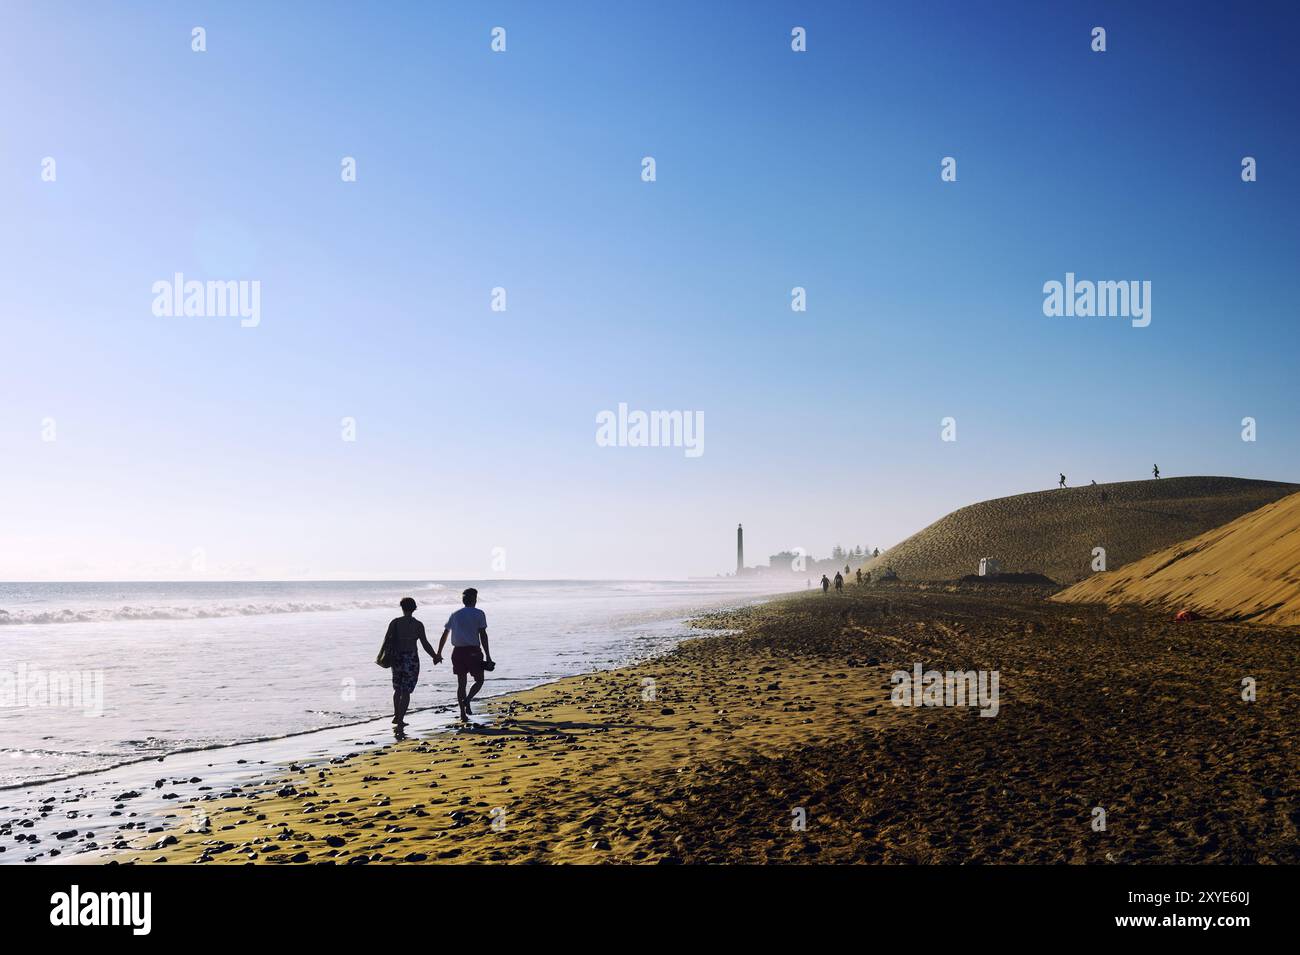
[468, 630]
[826, 584]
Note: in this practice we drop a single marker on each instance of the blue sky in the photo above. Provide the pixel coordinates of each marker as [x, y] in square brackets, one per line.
[475, 429]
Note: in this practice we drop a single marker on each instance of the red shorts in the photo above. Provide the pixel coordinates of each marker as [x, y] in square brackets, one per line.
[467, 660]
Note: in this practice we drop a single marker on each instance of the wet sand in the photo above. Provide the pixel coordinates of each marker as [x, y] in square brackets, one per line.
[740, 733]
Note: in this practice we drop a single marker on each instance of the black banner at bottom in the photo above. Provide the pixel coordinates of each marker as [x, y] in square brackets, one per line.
[172, 904]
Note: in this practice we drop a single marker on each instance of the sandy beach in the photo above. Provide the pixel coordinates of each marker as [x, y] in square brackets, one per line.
[782, 712]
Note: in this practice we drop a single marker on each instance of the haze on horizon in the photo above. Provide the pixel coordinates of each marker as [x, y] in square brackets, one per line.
[475, 453]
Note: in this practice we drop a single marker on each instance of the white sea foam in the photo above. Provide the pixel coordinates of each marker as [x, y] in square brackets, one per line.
[192, 666]
[196, 612]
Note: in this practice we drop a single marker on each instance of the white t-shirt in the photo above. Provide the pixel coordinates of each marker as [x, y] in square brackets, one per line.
[465, 624]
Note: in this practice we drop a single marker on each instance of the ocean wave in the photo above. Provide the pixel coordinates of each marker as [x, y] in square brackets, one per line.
[202, 612]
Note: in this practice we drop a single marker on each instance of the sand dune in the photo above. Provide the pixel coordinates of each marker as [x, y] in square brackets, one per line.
[1246, 570]
[1054, 532]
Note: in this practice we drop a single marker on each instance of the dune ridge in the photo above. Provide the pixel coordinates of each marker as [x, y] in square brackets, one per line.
[1054, 532]
[1246, 570]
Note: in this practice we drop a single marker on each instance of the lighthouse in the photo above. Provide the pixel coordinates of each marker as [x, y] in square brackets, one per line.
[740, 549]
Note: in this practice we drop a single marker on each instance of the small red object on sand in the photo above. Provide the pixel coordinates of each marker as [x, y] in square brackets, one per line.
[1185, 615]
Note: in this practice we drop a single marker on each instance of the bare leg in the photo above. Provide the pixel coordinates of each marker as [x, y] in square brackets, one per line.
[400, 703]
[478, 685]
[460, 693]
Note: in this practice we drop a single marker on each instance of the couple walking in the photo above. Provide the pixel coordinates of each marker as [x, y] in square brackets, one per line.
[470, 655]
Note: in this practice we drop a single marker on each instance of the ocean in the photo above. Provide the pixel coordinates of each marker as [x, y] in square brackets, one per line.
[101, 675]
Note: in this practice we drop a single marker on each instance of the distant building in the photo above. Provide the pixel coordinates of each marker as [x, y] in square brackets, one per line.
[797, 562]
[788, 562]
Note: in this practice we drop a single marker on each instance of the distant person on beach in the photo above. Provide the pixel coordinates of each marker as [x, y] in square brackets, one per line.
[859, 573]
[1062, 482]
[400, 641]
[468, 630]
[826, 584]
[1155, 469]
[839, 582]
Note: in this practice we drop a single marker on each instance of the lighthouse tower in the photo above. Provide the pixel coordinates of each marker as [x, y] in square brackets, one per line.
[740, 549]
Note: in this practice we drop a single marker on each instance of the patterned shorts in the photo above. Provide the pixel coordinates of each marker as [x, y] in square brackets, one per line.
[406, 670]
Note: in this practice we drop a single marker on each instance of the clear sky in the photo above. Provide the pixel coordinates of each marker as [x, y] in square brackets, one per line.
[475, 429]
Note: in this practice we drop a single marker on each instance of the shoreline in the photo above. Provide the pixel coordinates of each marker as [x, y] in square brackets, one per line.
[790, 718]
[199, 775]
[567, 707]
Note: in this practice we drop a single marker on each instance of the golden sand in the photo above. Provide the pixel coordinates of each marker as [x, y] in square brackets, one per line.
[1053, 532]
[1248, 569]
[1116, 710]
[558, 775]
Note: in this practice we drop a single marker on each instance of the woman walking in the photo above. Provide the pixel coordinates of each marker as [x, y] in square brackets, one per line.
[403, 656]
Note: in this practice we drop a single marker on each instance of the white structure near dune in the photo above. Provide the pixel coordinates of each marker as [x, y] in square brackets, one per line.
[989, 567]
